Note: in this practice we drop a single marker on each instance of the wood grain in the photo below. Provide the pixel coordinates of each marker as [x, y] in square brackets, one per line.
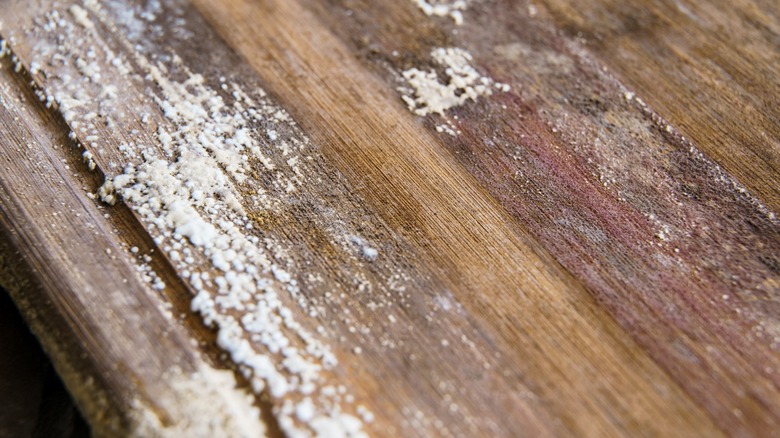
[107, 332]
[567, 264]
[604, 174]
[724, 54]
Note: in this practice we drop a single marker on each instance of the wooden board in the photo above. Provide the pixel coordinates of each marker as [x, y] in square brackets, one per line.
[33, 400]
[561, 254]
[724, 54]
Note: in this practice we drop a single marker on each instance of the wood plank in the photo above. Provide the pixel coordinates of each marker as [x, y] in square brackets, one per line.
[372, 138]
[553, 258]
[664, 210]
[125, 361]
[724, 54]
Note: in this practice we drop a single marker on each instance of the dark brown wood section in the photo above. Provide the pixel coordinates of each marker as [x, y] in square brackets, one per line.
[591, 250]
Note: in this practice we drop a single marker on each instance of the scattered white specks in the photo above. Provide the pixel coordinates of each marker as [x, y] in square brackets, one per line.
[443, 302]
[447, 129]
[429, 95]
[370, 253]
[81, 17]
[4, 49]
[184, 187]
[304, 410]
[366, 251]
[443, 8]
[663, 233]
[89, 159]
[364, 413]
[196, 416]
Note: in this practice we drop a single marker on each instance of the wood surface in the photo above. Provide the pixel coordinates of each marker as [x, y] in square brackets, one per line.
[595, 252]
[724, 54]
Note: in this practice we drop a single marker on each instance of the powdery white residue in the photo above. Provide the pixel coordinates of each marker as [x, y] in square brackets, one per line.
[4, 49]
[367, 251]
[370, 253]
[185, 190]
[441, 8]
[89, 159]
[447, 128]
[210, 407]
[192, 201]
[81, 17]
[430, 95]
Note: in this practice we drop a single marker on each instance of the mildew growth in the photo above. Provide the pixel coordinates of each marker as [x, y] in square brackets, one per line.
[192, 183]
[429, 95]
[443, 8]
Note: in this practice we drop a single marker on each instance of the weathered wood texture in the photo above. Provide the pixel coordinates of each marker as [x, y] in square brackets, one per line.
[110, 335]
[567, 263]
[724, 54]
[649, 225]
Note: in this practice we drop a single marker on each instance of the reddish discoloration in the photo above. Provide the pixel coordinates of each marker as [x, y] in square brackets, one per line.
[562, 206]
[596, 177]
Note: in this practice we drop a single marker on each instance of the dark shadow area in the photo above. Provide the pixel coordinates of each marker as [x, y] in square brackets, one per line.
[33, 401]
